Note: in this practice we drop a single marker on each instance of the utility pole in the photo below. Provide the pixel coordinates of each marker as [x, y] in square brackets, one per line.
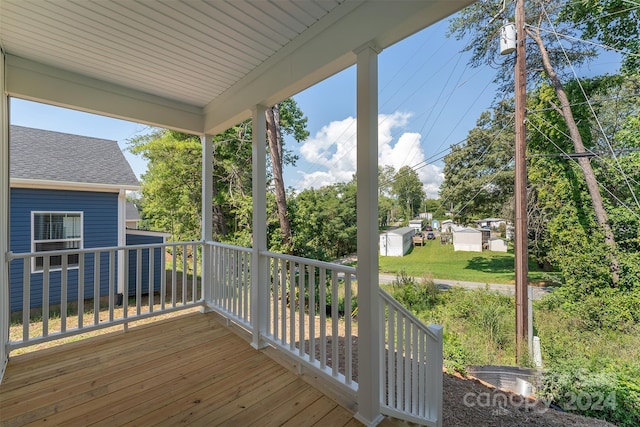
[521, 247]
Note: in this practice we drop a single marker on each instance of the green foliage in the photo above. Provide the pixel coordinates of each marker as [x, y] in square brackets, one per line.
[475, 24]
[407, 187]
[584, 366]
[418, 296]
[171, 192]
[479, 173]
[611, 22]
[324, 221]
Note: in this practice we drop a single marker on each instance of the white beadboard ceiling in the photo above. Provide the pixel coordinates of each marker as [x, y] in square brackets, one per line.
[194, 65]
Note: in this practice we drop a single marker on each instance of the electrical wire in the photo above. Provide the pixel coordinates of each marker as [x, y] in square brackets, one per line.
[544, 135]
[597, 119]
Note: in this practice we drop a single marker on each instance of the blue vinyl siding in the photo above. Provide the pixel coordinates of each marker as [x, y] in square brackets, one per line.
[136, 239]
[100, 229]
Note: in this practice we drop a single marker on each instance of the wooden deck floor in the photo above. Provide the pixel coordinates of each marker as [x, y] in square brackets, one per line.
[186, 370]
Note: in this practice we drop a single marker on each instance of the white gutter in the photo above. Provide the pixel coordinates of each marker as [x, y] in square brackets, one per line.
[68, 185]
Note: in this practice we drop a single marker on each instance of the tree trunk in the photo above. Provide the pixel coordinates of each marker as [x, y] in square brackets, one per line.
[592, 184]
[275, 149]
[218, 219]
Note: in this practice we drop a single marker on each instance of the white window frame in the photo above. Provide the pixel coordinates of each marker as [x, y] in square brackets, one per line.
[34, 268]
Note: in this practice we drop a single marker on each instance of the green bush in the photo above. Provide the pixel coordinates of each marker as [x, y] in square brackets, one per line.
[413, 295]
[611, 396]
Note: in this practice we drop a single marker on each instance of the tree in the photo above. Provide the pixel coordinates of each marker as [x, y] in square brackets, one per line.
[386, 204]
[547, 55]
[616, 23]
[479, 173]
[171, 186]
[407, 187]
[286, 117]
[172, 183]
[324, 221]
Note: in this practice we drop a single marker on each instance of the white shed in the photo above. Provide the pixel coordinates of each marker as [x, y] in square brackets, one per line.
[447, 226]
[467, 239]
[396, 242]
[416, 224]
[497, 245]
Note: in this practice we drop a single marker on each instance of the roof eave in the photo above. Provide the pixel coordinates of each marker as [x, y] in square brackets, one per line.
[71, 186]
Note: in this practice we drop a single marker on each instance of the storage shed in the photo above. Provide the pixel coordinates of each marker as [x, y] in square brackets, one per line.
[416, 224]
[497, 245]
[396, 242]
[467, 239]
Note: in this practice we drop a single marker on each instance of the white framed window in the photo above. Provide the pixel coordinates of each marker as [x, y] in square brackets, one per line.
[54, 231]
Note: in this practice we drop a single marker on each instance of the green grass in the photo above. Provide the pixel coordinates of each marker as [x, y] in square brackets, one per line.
[441, 262]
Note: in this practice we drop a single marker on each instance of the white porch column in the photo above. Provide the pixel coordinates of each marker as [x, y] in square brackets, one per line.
[367, 222]
[207, 215]
[4, 219]
[259, 267]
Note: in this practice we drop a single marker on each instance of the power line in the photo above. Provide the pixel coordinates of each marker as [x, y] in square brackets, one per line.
[606, 139]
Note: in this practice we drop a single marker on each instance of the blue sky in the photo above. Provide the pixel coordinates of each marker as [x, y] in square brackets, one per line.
[429, 98]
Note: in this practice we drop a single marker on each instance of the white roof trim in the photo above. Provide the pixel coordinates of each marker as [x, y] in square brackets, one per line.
[71, 186]
[147, 232]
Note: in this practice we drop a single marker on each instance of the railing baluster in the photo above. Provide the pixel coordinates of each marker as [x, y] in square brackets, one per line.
[275, 285]
[96, 287]
[414, 368]
[63, 294]
[335, 315]
[163, 277]
[138, 281]
[391, 358]
[80, 286]
[151, 278]
[407, 364]
[125, 291]
[194, 270]
[112, 285]
[45, 296]
[245, 284]
[312, 313]
[347, 328]
[26, 298]
[283, 301]
[291, 299]
[323, 317]
[174, 277]
[301, 308]
[185, 273]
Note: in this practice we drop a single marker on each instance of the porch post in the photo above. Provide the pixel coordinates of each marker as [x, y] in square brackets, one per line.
[207, 216]
[367, 222]
[4, 219]
[259, 266]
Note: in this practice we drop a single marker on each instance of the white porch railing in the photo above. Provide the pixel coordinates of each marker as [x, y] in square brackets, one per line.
[311, 307]
[94, 305]
[411, 386]
[312, 312]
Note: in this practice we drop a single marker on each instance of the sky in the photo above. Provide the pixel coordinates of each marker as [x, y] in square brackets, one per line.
[429, 98]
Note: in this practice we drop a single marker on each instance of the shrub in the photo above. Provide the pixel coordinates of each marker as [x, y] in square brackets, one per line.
[611, 396]
[413, 295]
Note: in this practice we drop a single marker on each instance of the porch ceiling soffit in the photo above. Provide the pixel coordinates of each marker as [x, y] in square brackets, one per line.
[320, 50]
[323, 50]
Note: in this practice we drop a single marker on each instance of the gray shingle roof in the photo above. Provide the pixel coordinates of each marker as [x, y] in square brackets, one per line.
[54, 156]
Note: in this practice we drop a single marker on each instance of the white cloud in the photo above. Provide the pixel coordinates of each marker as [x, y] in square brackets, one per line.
[332, 153]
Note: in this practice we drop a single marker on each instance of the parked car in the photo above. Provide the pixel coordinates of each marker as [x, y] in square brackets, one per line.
[431, 235]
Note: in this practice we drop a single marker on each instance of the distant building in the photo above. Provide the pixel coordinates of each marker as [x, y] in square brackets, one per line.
[467, 239]
[493, 223]
[497, 245]
[396, 242]
[447, 226]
